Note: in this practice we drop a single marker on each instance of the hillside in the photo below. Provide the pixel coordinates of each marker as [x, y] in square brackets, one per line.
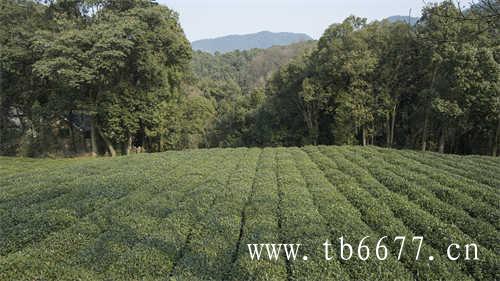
[412, 20]
[261, 40]
[235, 83]
[189, 215]
[249, 69]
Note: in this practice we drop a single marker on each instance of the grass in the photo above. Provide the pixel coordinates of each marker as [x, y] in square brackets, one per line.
[189, 215]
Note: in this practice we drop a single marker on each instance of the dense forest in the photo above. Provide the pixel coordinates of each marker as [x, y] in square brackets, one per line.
[112, 77]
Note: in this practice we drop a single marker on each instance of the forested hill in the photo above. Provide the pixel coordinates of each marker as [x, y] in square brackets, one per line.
[249, 69]
[411, 20]
[261, 40]
[265, 39]
[235, 83]
[124, 78]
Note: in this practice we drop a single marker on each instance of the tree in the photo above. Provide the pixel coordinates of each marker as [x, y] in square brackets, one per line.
[127, 59]
[346, 66]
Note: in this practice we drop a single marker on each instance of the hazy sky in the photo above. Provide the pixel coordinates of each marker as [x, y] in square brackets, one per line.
[212, 18]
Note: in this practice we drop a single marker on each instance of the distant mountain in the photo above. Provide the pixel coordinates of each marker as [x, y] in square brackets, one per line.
[413, 20]
[261, 40]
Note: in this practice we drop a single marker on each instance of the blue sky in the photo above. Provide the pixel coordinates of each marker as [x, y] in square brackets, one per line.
[212, 18]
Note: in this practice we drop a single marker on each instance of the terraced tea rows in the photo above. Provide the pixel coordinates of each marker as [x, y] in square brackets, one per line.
[190, 215]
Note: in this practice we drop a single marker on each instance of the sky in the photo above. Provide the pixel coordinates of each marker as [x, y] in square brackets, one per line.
[202, 19]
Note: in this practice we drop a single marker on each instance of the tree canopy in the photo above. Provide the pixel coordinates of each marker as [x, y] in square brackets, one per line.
[109, 76]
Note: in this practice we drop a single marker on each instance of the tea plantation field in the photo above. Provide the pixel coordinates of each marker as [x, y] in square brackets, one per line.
[189, 215]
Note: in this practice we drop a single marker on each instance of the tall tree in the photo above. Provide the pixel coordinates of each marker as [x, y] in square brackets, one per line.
[127, 58]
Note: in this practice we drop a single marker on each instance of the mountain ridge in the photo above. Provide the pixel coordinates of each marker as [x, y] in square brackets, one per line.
[242, 42]
[264, 39]
[412, 20]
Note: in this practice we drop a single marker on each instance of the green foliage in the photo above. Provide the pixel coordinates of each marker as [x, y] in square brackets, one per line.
[183, 123]
[382, 182]
[107, 76]
[377, 214]
[189, 215]
[393, 84]
[111, 64]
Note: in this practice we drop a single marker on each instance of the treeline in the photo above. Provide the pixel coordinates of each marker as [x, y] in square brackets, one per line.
[97, 77]
[235, 84]
[432, 86]
[109, 76]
